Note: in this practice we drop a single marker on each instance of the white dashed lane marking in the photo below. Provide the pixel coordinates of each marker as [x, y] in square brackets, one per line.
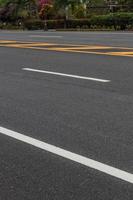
[112, 171]
[66, 75]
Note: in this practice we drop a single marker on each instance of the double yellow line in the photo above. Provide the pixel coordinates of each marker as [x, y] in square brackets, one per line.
[85, 49]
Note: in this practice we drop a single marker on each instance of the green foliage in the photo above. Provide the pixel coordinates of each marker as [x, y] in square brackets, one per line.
[12, 10]
[119, 21]
[79, 12]
[35, 24]
[71, 14]
[39, 24]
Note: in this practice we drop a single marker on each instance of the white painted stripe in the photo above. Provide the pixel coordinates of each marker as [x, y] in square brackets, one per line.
[45, 36]
[112, 171]
[67, 75]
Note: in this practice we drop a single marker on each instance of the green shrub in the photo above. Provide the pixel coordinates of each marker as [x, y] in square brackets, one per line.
[56, 24]
[33, 24]
[123, 20]
[10, 26]
[78, 23]
[118, 21]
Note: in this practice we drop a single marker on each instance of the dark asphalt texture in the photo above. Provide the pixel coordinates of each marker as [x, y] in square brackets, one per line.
[89, 118]
[123, 39]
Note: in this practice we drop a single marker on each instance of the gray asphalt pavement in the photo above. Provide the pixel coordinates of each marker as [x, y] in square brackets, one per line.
[89, 118]
[106, 38]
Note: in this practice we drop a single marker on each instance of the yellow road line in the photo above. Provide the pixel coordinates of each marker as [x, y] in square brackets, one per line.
[122, 53]
[127, 54]
[7, 41]
[68, 48]
[85, 47]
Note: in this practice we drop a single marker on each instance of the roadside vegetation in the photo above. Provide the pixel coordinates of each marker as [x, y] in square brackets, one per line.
[66, 14]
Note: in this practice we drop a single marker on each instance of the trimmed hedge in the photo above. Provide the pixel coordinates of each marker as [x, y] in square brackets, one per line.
[56, 24]
[117, 21]
[33, 24]
[78, 23]
[10, 26]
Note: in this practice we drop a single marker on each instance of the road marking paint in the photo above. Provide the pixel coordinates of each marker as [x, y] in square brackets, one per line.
[122, 53]
[87, 47]
[46, 36]
[41, 44]
[67, 75]
[112, 171]
[72, 48]
[7, 41]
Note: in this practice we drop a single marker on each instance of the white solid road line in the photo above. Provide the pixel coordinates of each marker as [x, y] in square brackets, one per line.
[67, 75]
[45, 36]
[120, 174]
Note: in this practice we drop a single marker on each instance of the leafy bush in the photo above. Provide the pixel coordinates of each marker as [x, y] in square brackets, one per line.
[118, 21]
[75, 23]
[56, 24]
[33, 24]
[10, 26]
[123, 20]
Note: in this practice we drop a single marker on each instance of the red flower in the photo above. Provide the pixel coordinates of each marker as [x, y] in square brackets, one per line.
[43, 2]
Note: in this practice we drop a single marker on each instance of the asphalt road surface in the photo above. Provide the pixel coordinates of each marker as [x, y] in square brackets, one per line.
[66, 115]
